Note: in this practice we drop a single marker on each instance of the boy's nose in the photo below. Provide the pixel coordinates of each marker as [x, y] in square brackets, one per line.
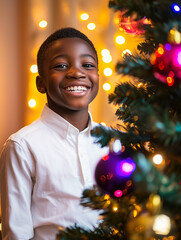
[75, 72]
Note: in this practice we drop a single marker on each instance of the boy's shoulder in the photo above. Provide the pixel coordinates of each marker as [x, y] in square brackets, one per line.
[27, 132]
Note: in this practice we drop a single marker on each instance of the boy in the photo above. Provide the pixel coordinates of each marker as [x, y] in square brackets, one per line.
[45, 166]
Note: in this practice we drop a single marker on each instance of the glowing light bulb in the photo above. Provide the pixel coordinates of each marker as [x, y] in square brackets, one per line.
[168, 46]
[115, 209]
[107, 58]
[162, 225]
[91, 26]
[106, 86]
[43, 24]
[84, 16]
[170, 81]
[176, 7]
[32, 103]
[105, 52]
[34, 68]
[157, 159]
[126, 52]
[120, 40]
[160, 51]
[106, 197]
[140, 85]
[107, 72]
[118, 193]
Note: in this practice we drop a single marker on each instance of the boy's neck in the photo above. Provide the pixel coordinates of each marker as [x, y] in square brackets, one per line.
[78, 119]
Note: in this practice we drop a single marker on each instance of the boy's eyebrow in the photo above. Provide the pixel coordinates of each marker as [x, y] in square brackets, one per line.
[88, 55]
[66, 56]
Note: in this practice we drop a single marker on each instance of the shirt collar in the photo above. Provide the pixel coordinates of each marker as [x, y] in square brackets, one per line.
[60, 125]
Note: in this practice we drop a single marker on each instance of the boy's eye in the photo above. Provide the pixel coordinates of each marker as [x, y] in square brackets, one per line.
[61, 66]
[88, 65]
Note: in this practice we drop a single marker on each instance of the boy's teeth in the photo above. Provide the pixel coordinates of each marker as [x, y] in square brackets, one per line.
[76, 88]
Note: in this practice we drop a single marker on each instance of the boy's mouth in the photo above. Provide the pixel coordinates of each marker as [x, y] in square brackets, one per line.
[76, 88]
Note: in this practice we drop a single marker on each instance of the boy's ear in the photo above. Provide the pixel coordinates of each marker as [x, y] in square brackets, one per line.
[40, 84]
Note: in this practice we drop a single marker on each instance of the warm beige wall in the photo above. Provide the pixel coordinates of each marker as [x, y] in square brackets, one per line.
[12, 75]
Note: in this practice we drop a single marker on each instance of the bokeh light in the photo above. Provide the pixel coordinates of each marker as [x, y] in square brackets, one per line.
[84, 16]
[43, 24]
[176, 7]
[34, 68]
[105, 52]
[157, 159]
[126, 52]
[118, 193]
[108, 72]
[91, 26]
[120, 40]
[106, 86]
[107, 58]
[32, 103]
[162, 225]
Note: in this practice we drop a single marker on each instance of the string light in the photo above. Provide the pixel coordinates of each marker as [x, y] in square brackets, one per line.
[106, 197]
[157, 159]
[170, 81]
[106, 86]
[115, 209]
[120, 40]
[126, 52]
[162, 225]
[91, 26]
[107, 58]
[43, 24]
[34, 68]
[107, 72]
[160, 50]
[176, 7]
[103, 123]
[32, 103]
[84, 16]
[105, 52]
[118, 193]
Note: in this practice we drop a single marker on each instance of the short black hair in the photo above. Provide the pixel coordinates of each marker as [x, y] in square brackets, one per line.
[61, 33]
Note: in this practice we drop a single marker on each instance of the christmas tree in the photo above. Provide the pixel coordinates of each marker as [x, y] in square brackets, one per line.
[138, 188]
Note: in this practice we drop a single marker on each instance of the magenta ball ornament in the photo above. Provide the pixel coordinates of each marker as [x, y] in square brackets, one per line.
[166, 63]
[113, 174]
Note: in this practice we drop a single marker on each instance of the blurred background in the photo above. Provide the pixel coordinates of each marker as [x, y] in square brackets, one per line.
[25, 24]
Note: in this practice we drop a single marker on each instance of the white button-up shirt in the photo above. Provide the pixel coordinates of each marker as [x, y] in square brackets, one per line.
[44, 169]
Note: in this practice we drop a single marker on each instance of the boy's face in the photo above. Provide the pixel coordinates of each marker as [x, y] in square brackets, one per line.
[70, 77]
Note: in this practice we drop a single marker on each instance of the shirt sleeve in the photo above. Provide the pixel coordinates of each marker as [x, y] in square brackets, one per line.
[16, 189]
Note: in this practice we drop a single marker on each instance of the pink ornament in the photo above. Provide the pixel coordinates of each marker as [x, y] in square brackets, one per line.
[167, 63]
[130, 25]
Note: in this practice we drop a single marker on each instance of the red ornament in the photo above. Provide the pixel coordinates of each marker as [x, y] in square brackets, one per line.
[167, 63]
[130, 25]
[113, 173]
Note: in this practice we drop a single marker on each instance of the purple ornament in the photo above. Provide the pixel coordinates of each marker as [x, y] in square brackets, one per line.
[113, 173]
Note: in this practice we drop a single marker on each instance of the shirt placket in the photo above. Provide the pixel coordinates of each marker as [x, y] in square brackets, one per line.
[84, 161]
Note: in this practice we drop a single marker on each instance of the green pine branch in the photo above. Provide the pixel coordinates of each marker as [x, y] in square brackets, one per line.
[157, 11]
[79, 233]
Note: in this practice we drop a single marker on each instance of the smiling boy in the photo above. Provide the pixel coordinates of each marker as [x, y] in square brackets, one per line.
[45, 166]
